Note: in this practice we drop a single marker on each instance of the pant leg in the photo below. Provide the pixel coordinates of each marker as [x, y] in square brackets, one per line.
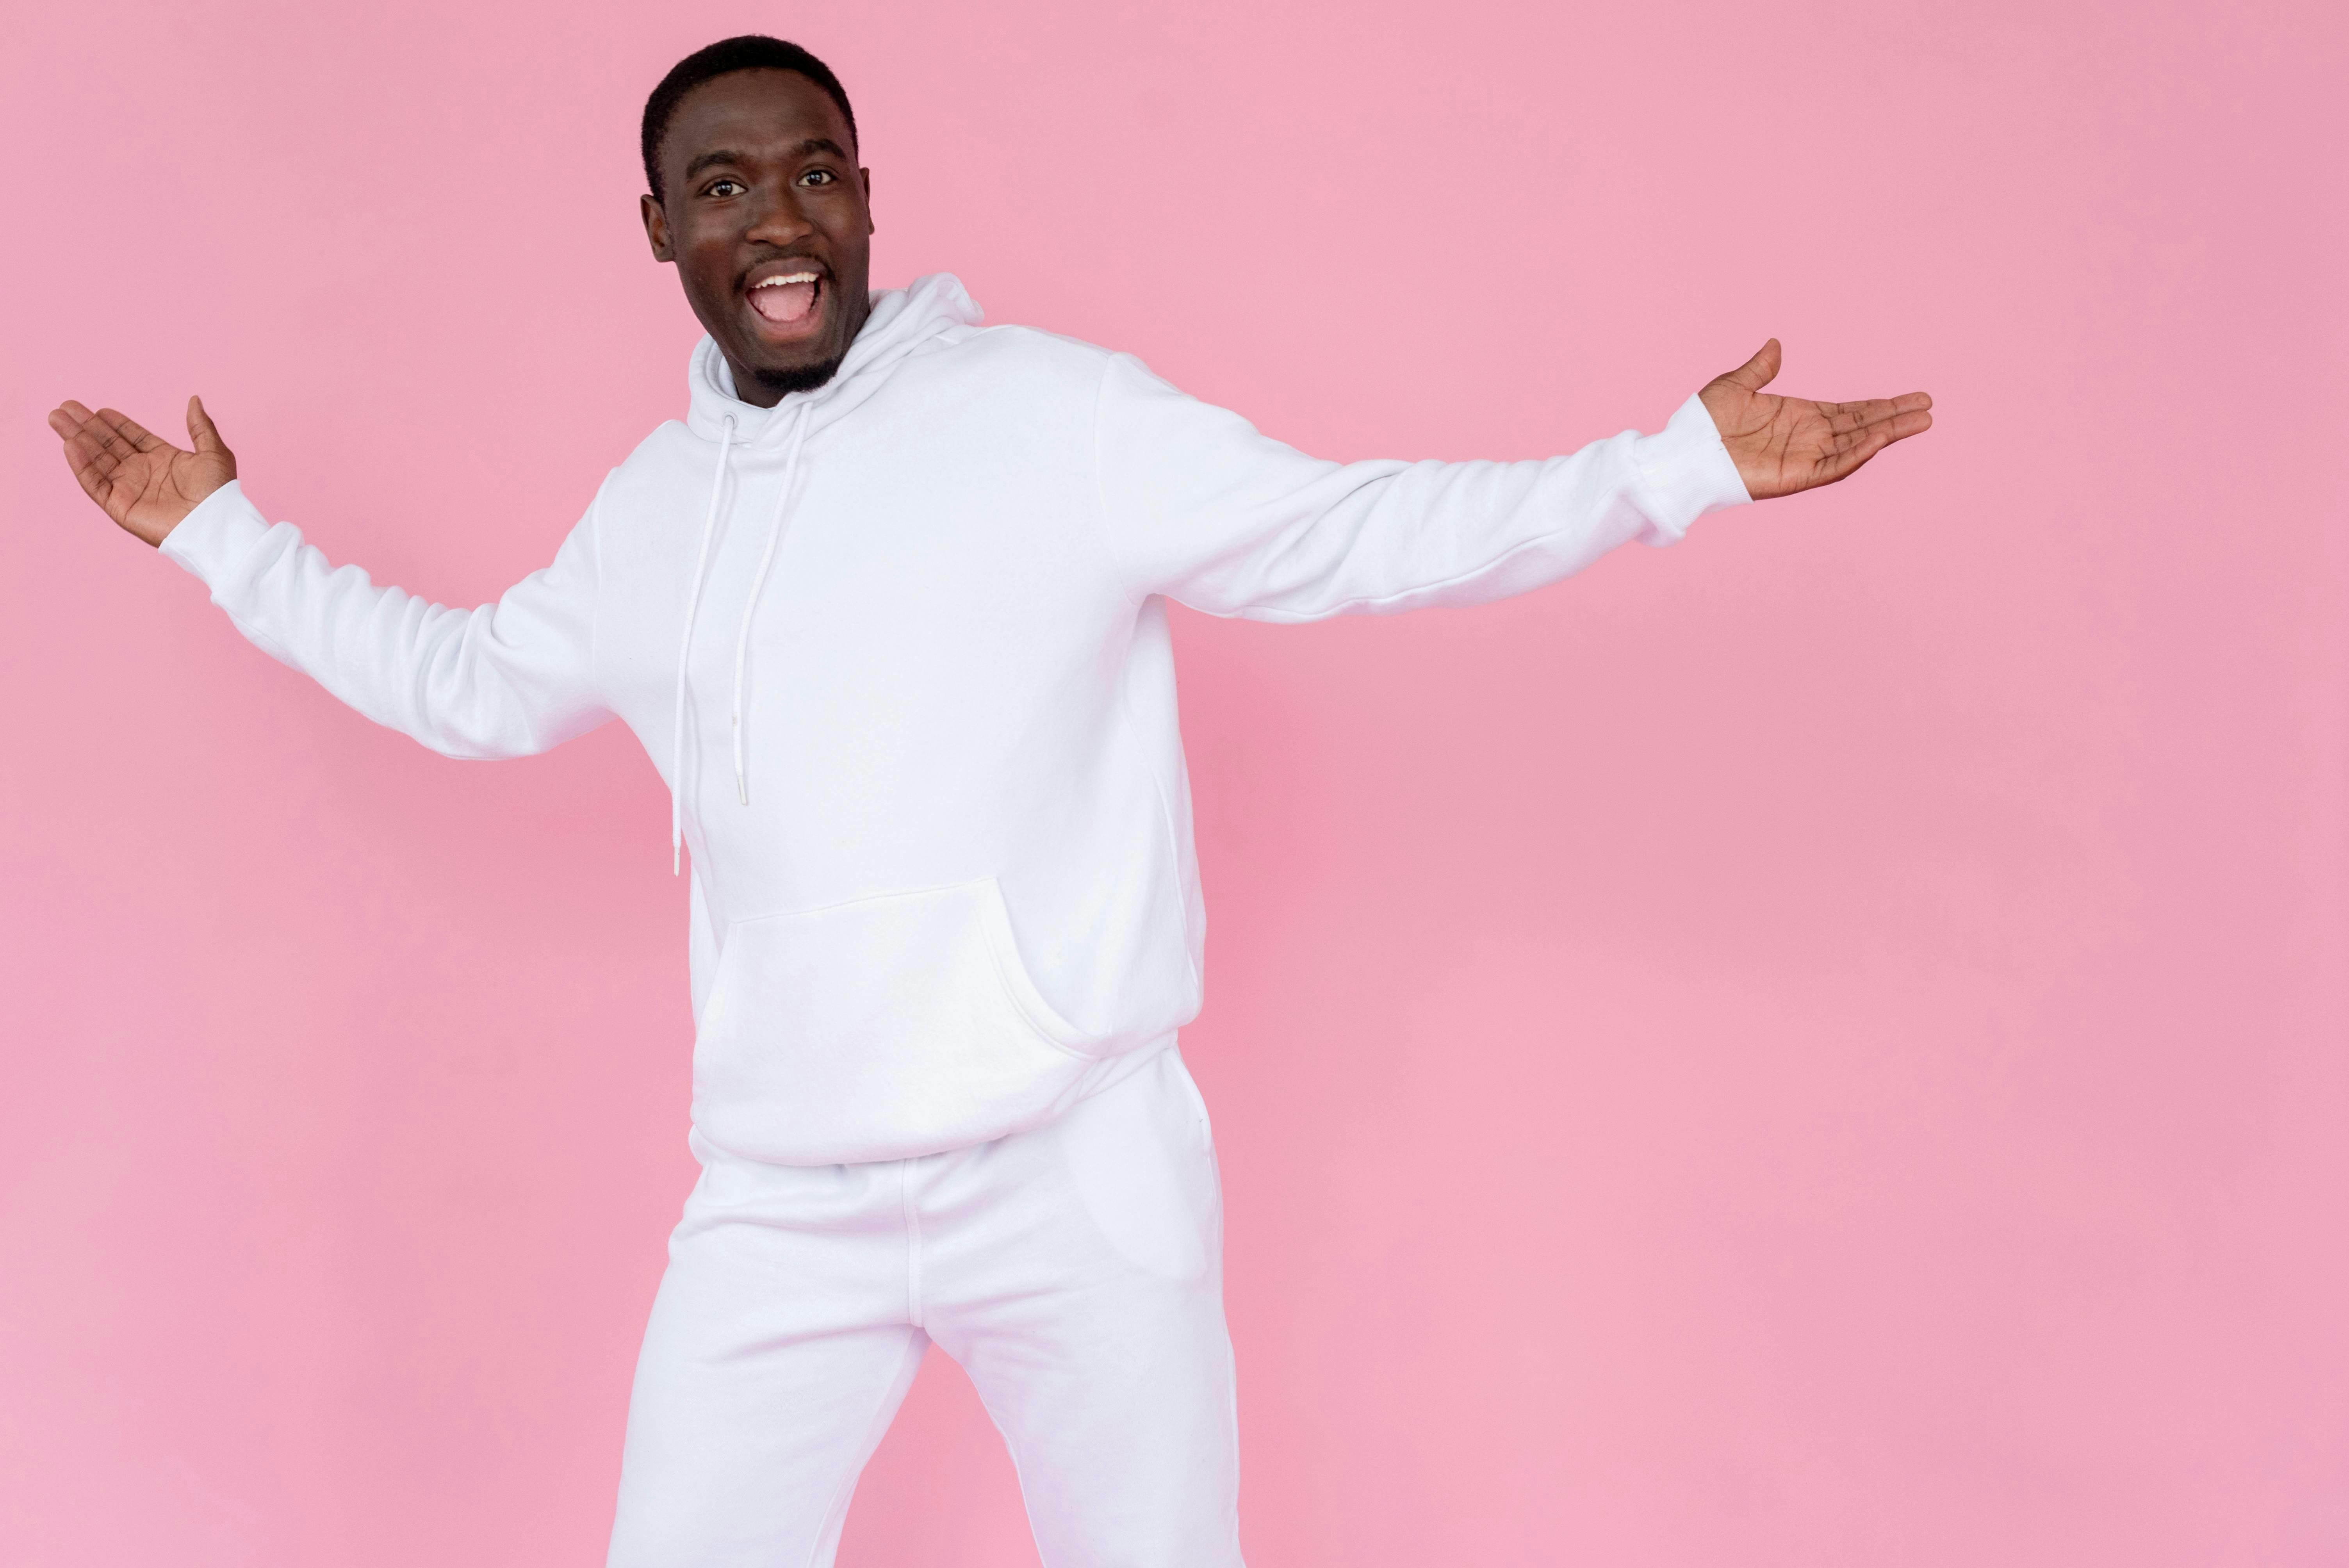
[1076, 1273]
[780, 1346]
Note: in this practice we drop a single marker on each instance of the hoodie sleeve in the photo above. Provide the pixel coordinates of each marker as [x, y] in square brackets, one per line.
[1202, 509]
[507, 679]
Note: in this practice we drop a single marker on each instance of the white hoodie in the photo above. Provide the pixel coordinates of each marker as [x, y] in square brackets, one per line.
[922, 734]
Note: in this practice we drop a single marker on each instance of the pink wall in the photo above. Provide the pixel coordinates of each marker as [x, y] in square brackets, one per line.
[1823, 1046]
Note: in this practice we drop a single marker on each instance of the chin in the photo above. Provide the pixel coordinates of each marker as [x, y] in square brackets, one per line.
[801, 377]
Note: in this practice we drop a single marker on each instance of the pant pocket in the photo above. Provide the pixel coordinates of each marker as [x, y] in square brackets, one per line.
[1139, 1158]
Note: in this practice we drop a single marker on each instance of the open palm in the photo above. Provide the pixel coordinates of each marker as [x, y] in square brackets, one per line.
[1782, 445]
[143, 482]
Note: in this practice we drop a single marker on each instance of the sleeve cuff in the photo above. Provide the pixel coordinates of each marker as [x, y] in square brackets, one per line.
[209, 541]
[1685, 471]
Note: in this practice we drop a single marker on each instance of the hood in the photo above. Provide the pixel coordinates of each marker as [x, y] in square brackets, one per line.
[934, 311]
[904, 322]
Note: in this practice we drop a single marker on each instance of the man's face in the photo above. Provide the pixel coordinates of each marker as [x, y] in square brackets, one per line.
[768, 219]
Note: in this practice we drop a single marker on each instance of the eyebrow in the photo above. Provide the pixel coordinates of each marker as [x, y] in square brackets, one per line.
[732, 155]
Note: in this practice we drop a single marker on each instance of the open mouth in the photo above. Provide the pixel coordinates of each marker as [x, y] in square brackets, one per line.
[786, 299]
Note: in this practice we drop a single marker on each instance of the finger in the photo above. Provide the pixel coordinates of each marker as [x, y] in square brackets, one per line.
[1845, 417]
[87, 449]
[95, 479]
[1848, 459]
[68, 417]
[1896, 426]
[201, 430]
[141, 439]
[102, 429]
[1759, 371]
[122, 434]
[1899, 425]
[1843, 463]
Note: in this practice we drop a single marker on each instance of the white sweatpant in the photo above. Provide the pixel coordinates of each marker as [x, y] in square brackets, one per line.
[1074, 1270]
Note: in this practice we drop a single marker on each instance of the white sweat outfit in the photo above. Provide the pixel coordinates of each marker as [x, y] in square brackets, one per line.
[899, 647]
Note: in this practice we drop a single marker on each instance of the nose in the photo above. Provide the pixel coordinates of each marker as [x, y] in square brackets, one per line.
[778, 221]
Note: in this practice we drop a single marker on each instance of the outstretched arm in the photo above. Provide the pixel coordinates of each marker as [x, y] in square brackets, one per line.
[1199, 506]
[503, 680]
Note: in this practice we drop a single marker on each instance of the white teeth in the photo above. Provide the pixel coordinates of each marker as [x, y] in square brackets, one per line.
[787, 278]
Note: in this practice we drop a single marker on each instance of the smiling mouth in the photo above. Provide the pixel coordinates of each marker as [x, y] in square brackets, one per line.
[788, 299]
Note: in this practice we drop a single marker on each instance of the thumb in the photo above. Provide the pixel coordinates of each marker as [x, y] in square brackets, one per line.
[202, 431]
[1759, 371]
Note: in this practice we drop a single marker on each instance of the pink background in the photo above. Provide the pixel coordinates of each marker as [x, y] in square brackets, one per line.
[1825, 1046]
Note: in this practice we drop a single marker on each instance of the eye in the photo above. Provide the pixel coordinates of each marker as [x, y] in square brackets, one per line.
[723, 187]
[819, 177]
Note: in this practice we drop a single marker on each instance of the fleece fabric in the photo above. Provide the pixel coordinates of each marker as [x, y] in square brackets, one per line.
[1075, 1271]
[899, 647]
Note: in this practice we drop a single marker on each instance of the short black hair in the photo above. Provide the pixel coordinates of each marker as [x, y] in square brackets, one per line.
[750, 52]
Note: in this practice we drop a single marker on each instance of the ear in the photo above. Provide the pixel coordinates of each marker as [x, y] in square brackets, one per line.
[656, 228]
[865, 178]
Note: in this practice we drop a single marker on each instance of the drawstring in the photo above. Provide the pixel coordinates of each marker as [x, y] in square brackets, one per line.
[751, 607]
[741, 644]
[692, 605]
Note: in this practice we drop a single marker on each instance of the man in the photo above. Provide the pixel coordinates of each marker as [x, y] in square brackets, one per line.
[889, 610]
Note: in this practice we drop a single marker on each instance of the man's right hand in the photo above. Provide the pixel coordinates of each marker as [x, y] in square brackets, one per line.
[143, 482]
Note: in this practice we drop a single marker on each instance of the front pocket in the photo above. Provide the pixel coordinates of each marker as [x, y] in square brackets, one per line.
[874, 1029]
